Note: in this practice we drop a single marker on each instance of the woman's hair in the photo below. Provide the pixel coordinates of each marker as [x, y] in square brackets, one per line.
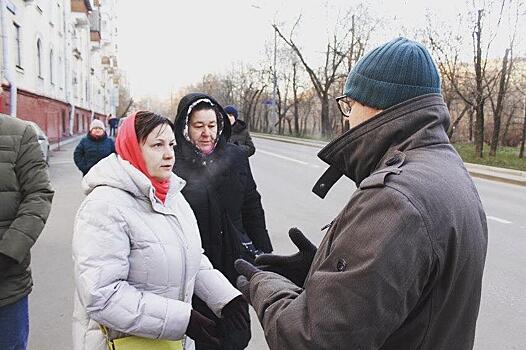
[146, 121]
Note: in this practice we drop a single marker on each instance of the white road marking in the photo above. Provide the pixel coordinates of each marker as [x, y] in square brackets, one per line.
[494, 218]
[283, 157]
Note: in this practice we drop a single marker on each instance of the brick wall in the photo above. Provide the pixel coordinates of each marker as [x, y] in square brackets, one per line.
[53, 116]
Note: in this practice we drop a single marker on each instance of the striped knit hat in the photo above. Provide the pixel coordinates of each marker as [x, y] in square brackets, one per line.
[393, 73]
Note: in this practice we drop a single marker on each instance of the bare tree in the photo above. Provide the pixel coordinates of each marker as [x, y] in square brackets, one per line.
[477, 95]
[499, 106]
[125, 99]
[337, 50]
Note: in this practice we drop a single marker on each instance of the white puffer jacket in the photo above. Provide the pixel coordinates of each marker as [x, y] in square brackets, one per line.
[138, 262]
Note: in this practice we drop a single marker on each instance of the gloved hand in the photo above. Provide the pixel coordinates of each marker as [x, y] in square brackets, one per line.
[246, 271]
[294, 267]
[5, 263]
[236, 313]
[202, 329]
[235, 324]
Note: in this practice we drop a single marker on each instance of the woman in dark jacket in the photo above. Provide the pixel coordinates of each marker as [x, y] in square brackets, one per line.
[221, 191]
[240, 134]
[95, 146]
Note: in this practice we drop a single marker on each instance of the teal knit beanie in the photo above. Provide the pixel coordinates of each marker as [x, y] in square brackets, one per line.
[392, 73]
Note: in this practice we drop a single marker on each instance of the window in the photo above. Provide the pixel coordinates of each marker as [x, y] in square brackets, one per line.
[51, 60]
[18, 55]
[39, 58]
[60, 74]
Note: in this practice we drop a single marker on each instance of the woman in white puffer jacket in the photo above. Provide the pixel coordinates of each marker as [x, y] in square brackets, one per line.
[137, 250]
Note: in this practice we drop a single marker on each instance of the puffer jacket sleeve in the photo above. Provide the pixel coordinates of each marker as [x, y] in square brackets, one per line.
[101, 248]
[367, 276]
[36, 193]
[253, 214]
[79, 156]
[212, 287]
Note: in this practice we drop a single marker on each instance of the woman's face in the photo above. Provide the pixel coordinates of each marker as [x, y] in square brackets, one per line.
[158, 152]
[202, 129]
[97, 131]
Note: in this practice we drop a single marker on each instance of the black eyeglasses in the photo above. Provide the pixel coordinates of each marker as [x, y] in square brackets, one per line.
[345, 104]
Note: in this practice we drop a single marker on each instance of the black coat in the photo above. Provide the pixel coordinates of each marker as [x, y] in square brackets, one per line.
[218, 184]
[223, 195]
[90, 151]
[241, 137]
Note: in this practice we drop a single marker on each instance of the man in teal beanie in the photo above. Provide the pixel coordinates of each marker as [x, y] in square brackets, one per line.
[400, 267]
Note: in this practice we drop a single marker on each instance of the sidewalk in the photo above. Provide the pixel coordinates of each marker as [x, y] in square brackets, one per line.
[510, 176]
[56, 145]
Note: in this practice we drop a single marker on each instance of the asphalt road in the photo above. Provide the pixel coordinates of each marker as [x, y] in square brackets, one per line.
[285, 174]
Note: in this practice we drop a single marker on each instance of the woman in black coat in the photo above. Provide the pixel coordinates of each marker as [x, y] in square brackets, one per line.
[221, 191]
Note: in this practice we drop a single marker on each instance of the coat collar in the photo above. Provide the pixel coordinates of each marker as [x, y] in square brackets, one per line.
[116, 172]
[415, 123]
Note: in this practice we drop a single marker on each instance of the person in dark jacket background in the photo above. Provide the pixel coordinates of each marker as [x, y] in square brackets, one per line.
[113, 122]
[25, 197]
[240, 135]
[95, 146]
[221, 191]
[401, 266]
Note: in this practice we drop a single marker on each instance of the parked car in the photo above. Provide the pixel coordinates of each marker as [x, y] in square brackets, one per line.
[42, 140]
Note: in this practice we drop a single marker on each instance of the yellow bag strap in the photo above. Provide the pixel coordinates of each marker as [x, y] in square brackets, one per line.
[106, 334]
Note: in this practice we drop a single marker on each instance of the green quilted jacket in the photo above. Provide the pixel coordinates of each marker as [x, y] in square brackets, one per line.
[25, 202]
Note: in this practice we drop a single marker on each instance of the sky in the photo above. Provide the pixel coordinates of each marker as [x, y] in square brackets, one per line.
[165, 45]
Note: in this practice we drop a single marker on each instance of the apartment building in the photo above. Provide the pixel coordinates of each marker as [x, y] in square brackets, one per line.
[59, 60]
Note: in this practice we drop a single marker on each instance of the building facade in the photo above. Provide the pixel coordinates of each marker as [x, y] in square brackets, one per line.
[59, 60]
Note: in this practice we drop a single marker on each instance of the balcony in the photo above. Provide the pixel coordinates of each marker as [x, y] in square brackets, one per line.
[95, 36]
[94, 25]
[81, 6]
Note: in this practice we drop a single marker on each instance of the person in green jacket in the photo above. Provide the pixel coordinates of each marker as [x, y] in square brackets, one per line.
[26, 195]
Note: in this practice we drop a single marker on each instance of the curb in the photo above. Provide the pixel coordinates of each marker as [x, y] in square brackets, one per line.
[509, 176]
[56, 145]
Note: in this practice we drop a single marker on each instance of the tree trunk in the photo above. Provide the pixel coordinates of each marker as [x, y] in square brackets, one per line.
[325, 122]
[290, 126]
[521, 153]
[457, 121]
[295, 92]
[507, 126]
[470, 126]
[479, 93]
[498, 110]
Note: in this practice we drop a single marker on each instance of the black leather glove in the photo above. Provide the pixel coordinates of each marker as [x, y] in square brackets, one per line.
[203, 329]
[294, 267]
[5, 263]
[235, 324]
